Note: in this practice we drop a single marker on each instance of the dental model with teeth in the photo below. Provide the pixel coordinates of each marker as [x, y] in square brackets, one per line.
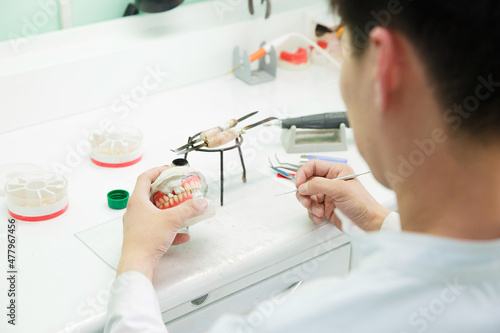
[177, 185]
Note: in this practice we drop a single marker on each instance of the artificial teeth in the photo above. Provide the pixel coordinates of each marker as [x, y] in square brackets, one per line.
[176, 198]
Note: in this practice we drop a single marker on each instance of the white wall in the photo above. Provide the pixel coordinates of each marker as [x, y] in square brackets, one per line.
[67, 72]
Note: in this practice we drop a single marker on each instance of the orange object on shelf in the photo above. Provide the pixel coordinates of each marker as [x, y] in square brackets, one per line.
[297, 58]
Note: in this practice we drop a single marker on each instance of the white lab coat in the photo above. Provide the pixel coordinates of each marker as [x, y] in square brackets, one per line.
[403, 283]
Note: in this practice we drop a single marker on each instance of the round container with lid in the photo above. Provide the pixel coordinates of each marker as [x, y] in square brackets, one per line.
[116, 148]
[37, 196]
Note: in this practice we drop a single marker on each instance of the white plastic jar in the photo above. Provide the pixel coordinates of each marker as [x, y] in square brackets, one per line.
[37, 196]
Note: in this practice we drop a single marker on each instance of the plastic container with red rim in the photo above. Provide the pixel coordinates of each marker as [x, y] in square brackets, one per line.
[116, 148]
[37, 196]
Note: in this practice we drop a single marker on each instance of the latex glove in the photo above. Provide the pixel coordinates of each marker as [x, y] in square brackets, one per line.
[148, 232]
[320, 195]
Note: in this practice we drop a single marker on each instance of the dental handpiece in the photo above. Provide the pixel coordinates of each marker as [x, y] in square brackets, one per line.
[318, 121]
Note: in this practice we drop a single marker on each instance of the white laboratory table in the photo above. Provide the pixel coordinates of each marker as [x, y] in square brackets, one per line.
[61, 282]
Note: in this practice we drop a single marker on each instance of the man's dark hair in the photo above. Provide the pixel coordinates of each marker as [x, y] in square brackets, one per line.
[458, 40]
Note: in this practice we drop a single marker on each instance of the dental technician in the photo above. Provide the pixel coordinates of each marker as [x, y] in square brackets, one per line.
[421, 81]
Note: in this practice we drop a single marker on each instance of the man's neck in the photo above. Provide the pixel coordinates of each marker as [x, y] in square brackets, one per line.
[454, 195]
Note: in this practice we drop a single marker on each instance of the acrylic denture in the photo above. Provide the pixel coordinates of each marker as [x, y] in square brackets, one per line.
[190, 187]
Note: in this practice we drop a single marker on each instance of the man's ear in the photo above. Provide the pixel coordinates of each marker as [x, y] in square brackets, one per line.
[388, 70]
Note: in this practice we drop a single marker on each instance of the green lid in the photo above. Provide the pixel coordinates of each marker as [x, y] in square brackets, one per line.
[117, 199]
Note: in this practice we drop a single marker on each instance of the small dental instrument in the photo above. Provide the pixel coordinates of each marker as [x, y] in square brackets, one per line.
[303, 160]
[281, 172]
[284, 174]
[279, 41]
[349, 177]
[284, 165]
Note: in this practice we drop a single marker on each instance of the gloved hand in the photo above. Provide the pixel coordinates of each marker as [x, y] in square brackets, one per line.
[148, 232]
[320, 195]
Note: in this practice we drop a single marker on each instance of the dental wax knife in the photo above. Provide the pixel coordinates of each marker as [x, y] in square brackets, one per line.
[328, 120]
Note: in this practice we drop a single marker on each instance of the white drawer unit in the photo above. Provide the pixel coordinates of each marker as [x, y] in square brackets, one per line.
[199, 314]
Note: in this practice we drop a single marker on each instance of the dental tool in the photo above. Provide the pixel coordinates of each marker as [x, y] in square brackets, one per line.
[284, 165]
[281, 172]
[349, 177]
[328, 120]
[303, 160]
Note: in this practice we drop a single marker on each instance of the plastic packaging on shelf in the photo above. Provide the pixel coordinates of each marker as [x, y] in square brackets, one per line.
[37, 196]
[116, 148]
[297, 60]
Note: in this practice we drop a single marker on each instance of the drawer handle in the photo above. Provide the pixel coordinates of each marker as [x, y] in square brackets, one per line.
[290, 290]
[293, 287]
[200, 300]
